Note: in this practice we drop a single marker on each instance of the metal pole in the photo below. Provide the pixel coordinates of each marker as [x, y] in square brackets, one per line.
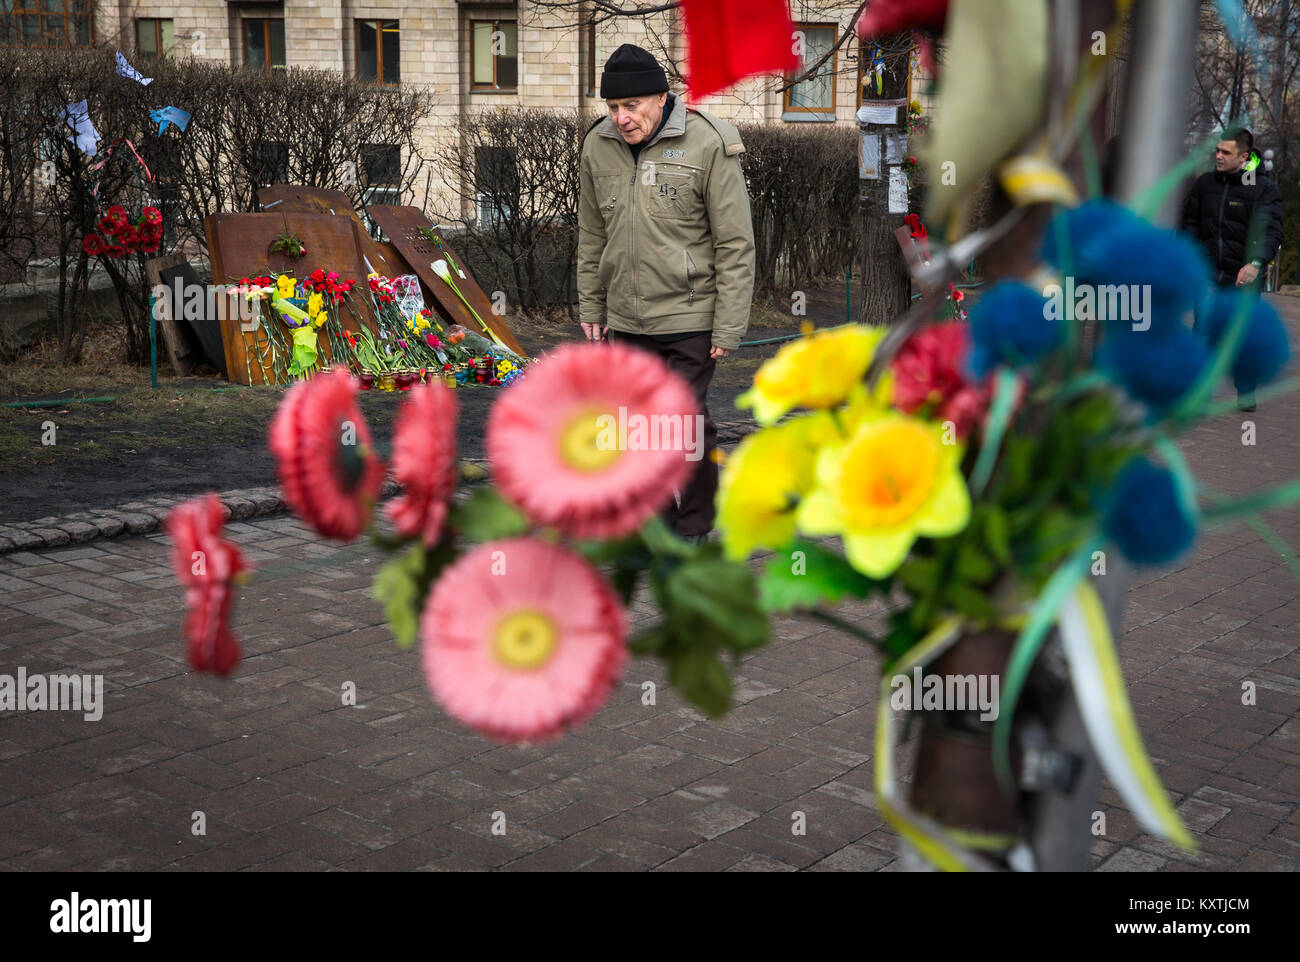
[1155, 114]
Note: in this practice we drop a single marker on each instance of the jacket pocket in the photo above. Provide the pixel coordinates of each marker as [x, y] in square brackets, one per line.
[610, 187]
[690, 276]
[675, 192]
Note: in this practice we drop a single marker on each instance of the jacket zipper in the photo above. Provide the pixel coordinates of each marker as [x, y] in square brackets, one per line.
[636, 295]
[690, 275]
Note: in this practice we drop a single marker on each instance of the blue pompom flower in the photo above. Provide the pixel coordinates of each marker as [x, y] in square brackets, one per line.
[1072, 235]
[1156, 367]
[1170, 265]
[1009, 325]
[1146, 516]
[1264, 348]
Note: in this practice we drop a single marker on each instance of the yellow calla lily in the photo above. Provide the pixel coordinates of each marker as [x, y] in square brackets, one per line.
[892, 481]
[816, 371]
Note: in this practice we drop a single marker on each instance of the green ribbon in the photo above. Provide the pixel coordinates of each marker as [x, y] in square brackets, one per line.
[995, 427]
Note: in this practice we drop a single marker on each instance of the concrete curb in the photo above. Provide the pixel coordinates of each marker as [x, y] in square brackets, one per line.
[135, 518]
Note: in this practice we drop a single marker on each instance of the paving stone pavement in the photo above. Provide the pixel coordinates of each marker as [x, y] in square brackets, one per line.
[288, 777]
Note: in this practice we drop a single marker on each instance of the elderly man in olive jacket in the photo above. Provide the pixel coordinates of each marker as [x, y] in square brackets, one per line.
[665, 242]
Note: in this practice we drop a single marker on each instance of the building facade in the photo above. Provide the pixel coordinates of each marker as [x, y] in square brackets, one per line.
[469, 54]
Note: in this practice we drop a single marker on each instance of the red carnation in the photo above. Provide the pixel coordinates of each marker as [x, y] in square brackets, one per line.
[115, 251]
[930, 370]
[208, 566]
[93, 245]
[151, 247]
[152, 215]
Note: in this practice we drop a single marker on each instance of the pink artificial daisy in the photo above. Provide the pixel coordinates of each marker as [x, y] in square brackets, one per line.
[595, 440]
[330, 475]
[424, 461]
[208, 566]
[930, 371]
[537, 651]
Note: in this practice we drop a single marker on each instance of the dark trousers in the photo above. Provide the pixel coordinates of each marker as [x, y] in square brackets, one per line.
[689, 358]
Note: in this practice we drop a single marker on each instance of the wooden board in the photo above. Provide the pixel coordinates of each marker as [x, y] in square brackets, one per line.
[180, 348]
[402, 225]
[238, 246]
[283, 198]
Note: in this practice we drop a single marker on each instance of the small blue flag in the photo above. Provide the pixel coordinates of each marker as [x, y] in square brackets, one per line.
[165, 115]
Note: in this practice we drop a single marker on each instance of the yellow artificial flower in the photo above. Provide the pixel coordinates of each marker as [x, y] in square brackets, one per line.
[315, 303]
[285, 285]
[762, 482]
[891, 482]
[817, 371]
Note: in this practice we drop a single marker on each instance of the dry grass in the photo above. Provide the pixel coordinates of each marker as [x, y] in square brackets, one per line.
[101, 370]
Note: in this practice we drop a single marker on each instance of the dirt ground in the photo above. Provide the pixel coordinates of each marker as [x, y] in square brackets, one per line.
[197, 434]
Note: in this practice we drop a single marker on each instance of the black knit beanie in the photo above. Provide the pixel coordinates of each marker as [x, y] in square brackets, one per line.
[632, 72]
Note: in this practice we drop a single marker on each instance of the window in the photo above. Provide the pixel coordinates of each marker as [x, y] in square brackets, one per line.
[813, 98]
[272, 162]
[498, 183]
[47, 23]
[589, 38]
[378, 51]
[153, 38]
[381, 165]
[264, 44]
[495, 55]
[381, 180]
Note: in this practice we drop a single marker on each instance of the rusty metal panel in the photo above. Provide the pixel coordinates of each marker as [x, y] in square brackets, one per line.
[402, 225]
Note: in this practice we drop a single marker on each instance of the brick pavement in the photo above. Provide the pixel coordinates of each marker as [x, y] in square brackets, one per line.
[289, 778]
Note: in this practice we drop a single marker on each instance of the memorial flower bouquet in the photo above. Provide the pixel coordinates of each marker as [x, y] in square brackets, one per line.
[518, 590]
[979, 475]
[118, 237]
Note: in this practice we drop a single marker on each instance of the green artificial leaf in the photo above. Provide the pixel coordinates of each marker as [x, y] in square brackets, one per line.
[724, 596]
[486, 516]
[650, 641]
[627, 552]
[624, 581]
[997, 535]
[399, 586]
[659, 539]
[702, 680]
[974, 565]
[1093, 415]
[970, 601]
[919, 575]
[807, 575]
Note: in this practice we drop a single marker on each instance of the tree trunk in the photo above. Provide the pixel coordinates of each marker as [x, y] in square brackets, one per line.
[886, 283]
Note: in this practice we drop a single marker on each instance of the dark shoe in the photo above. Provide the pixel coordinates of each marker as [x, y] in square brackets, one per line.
[1245, 400]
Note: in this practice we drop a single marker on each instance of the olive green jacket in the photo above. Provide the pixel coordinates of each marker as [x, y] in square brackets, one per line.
[668, 247]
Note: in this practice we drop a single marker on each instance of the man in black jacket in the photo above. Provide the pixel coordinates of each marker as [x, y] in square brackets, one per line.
[1219, 211]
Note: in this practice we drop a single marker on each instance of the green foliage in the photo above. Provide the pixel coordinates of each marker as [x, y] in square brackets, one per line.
[807, 575]
[486, 516]
[710, 607]
[403, 583]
